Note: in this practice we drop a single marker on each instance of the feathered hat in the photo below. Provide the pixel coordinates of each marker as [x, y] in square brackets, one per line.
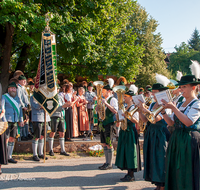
[191, 79]
[109, 85]
[132, 90]
[162, 82]
[179, 75]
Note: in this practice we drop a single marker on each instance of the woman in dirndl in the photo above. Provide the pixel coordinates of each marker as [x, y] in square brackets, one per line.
[128, 149]
[156, 138]
[182, 159]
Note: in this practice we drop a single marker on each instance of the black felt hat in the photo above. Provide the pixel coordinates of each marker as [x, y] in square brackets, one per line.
[158, 86]
[31, 83]
[12, 84]
[130, 92]
[188, 79]
[110, 84]
[107, 87]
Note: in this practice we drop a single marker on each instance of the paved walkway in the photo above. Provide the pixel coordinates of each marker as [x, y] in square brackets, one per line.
[70, 173]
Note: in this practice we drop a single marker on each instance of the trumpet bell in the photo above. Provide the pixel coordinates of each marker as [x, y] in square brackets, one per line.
[172, 84]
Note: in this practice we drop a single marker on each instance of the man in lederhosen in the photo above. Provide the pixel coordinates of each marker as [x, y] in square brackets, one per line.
[107, 124]
[37, 117]
[13, 115]
[58, 123]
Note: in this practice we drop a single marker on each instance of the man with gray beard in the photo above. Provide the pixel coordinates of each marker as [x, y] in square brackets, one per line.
[13, 115]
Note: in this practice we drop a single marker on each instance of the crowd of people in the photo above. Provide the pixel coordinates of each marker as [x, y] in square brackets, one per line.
[171, 136]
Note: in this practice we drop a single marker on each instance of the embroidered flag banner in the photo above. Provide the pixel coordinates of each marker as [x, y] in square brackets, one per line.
[45, 92]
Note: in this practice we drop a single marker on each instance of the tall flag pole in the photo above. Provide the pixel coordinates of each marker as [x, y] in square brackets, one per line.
[45, 92]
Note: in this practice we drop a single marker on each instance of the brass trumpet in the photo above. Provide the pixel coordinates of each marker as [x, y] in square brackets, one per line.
[129, 114]
[102, 111]
[120, 90]
[151, 116]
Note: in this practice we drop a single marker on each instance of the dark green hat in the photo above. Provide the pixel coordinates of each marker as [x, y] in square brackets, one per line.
[31, 83]
[90, 84]
[12, 84]
[188, 79]
[107, 87]
[130, 92]
[21, 77]
[121, 83]
[141, 90]
[158, 86]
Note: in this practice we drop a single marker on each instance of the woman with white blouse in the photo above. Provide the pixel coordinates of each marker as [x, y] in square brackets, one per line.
[182, 159]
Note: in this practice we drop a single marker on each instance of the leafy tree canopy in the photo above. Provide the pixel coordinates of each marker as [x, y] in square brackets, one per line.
[106, 37]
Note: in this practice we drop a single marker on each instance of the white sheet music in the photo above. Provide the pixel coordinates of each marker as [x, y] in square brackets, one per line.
[164, 95]
[120, 116]
[137, 98]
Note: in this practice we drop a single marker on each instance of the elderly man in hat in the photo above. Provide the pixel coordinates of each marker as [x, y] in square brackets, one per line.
[13, 115]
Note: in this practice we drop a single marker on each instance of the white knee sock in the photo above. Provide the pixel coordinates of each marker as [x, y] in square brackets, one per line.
[10, 149]
[62, 144]
[51, 140]
[41, 147]
[34, 147]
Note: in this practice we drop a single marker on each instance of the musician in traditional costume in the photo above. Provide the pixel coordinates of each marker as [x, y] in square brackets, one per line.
[106, 128]
[182, 159]
[90, 97]
[3, 146]
[120, 81]
[58, 124]
[155, 140]
[128, 150]
[38, 119]
[24, 98]
[13, 115]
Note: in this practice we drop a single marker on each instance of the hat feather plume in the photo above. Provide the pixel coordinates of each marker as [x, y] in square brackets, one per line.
[195, 68]
[179, 75]
[110, 82]
[133, 88]
[162, 79]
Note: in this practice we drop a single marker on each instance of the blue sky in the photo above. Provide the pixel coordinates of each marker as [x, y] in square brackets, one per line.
[177, 20]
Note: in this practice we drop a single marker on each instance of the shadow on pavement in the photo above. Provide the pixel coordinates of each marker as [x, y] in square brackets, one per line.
[105, 180]
[82, 167]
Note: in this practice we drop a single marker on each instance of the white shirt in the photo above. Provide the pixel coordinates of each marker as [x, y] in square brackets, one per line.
[68, 97]
[113, 102]
[193, 112]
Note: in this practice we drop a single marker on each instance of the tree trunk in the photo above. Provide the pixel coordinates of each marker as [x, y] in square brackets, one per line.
[23, 58]
[6, 53]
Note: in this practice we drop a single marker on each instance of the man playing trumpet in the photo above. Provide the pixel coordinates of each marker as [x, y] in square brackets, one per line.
[111, 108]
